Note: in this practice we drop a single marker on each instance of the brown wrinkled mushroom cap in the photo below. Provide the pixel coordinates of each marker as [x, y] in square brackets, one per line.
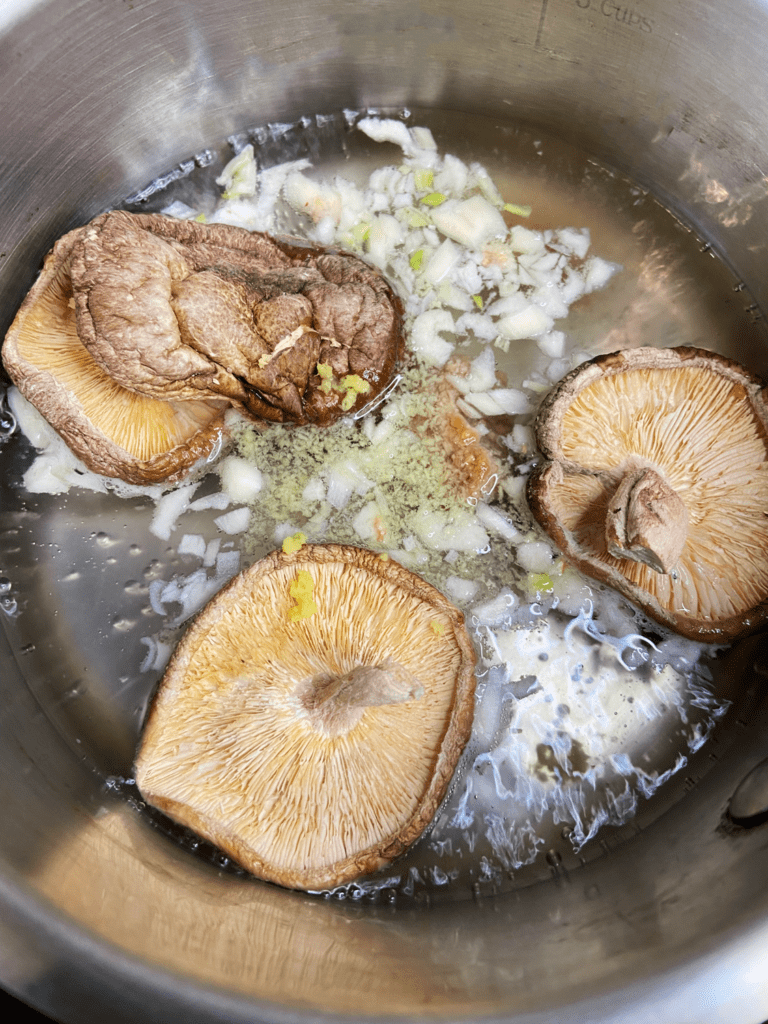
[312, 751]
[183, 309]
[114, 431]
[656, 482]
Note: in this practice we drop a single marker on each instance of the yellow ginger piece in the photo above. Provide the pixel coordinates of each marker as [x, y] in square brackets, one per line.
[301, 591]
[291, 544]
[352, 385]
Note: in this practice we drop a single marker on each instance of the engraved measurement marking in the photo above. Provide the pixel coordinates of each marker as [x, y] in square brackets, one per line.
[623, 15]
[542, 17]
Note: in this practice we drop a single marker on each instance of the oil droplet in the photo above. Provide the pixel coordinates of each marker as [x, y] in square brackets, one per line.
[27, 649]
[103, 539]
[5, 585]
[134, 549]
[134, 587]
[8, 605]
[123, 624]
[7, 424]
[71, 577]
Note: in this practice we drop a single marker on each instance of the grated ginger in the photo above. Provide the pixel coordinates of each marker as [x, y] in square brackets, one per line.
[291, 544]
[301, 591]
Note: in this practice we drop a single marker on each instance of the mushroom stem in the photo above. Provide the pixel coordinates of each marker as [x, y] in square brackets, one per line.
[646, 521]
[338, 702]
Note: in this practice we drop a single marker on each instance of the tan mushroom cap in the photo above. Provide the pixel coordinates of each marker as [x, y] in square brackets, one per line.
[313, 751]
[113, 430]
[656, 482]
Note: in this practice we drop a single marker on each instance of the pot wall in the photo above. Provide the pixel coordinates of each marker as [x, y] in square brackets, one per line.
[102, 916]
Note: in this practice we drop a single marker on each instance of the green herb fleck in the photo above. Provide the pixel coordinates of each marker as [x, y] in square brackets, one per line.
[423, 179]
[415, 219]
[518, 211]
[417, 259]
[541, 582]
[434, 199]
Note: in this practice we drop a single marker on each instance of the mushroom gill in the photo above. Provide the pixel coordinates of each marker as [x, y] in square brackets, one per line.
[316, 750]
[657, 483]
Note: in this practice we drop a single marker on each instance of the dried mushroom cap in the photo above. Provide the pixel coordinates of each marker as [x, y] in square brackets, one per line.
[312, 751]
[114, 431]
[657, 484]
[182, 309]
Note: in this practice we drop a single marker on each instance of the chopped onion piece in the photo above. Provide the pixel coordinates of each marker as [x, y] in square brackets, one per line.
[535, 556]
[390, 130]
[528, 323]
[598, 273]
[168, 510]
[192, 544]
[471, 222]
[236, 521]
[315, 200]
[523, 240]
[573, 241]
[460, 591]
[442, 262]
[241, 480]
[552, 344]
[495, 521]
[219, 500]
[314, 491]
[495, 611]
[386, 232]
[211, 551]
[499, 402]
[239, 175]
[460, 532]
[425, 336]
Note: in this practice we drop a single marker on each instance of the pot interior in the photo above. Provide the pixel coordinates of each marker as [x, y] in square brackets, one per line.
[599, 116]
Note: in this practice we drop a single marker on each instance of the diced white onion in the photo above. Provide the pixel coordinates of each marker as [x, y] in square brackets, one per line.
[471, 222]
[236, 521]
[528, 323]
[442, 262]
[495, 611]
[496, 521]
[168, 510]
[535, 556]
[241, 480]
[425, 336]
[552, 344]
[459, 590]
[389, 130]
[239, 175]
[192, 544]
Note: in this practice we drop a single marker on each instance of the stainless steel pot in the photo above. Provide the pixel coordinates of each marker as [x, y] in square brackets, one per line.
[103, 918]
